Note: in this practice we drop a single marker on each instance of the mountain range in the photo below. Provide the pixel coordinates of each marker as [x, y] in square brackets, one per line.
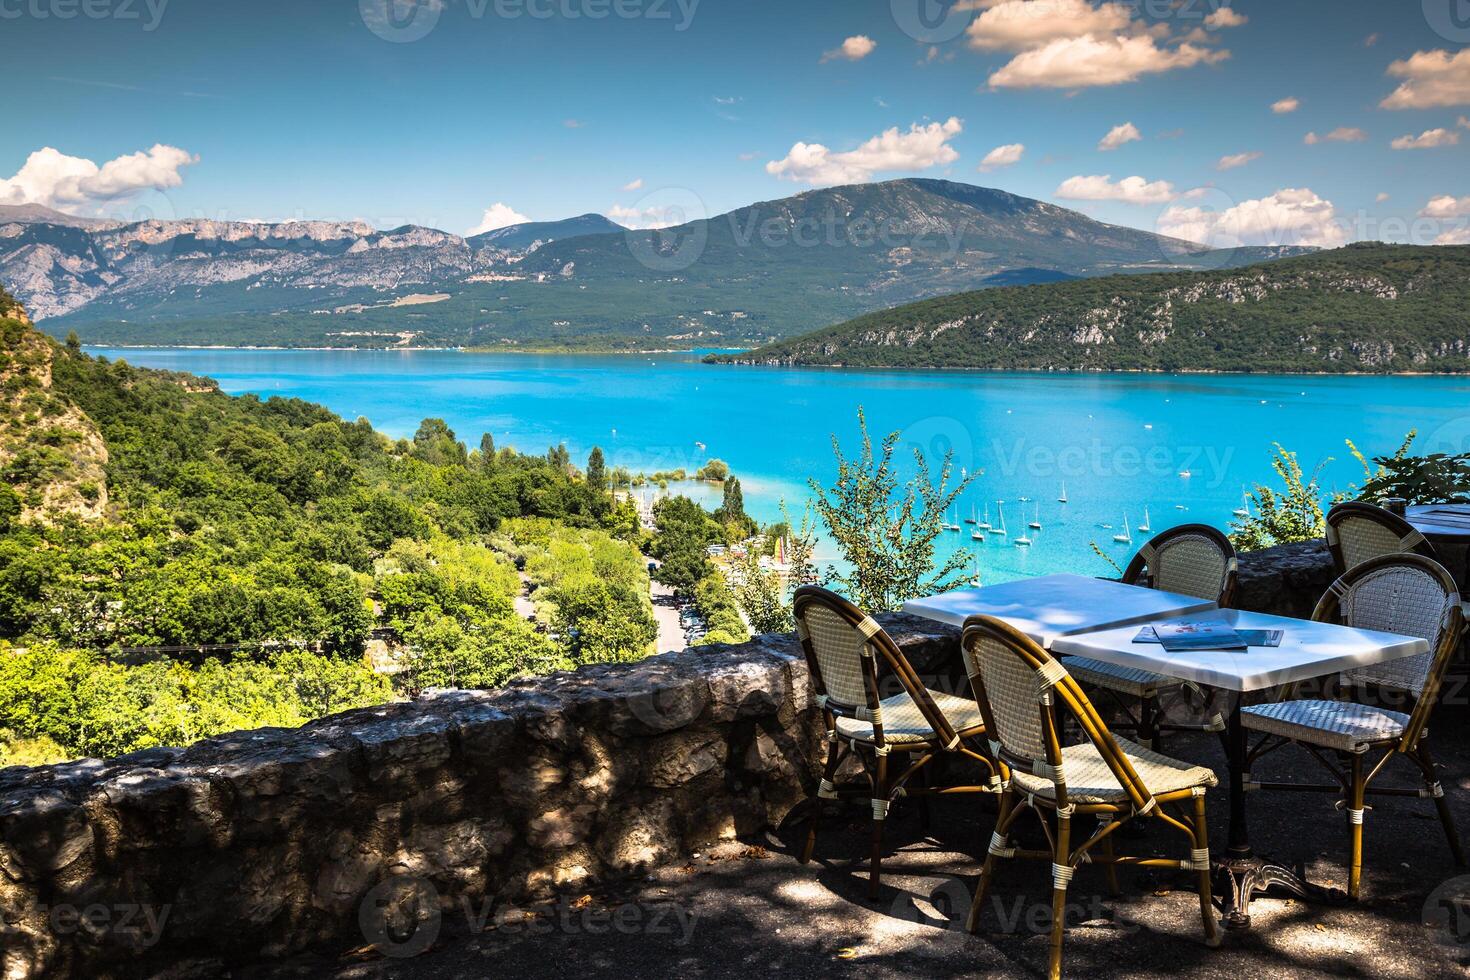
[763, 272]
[1368, 307]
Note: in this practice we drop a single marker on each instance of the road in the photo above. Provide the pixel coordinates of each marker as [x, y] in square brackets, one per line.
[666, 611]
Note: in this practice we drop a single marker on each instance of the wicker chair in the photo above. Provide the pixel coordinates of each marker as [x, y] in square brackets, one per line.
[1357, 532]
[1019, 688]
[852, 661]
[1194, 560]
[1406, 594]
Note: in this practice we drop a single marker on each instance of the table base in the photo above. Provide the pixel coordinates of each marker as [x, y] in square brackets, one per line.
[1240, 879]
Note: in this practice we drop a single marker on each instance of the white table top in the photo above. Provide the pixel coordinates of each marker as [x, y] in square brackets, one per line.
[1054, 606]
[1307, 650]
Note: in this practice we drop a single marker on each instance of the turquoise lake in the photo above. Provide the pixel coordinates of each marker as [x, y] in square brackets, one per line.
[1119, 442]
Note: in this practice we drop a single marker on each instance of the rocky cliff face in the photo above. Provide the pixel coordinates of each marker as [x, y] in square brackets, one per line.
[51, 453]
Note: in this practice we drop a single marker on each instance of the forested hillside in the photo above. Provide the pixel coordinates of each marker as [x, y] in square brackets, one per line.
[288, 536]
[1364, 308]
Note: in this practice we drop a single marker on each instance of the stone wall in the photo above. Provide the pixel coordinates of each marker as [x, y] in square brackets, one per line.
[268, 842]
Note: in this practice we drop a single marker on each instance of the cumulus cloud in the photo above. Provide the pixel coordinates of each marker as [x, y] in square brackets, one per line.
[855, 48]
[1447, 206]
[920, 148]
[1427, 140]
[1289, 104]
[1291, 216]
[1382, 196]
[497, 215]
[1454, 236]
[1130, 190]
[1020, 25]
[1237, 159]
[1003, 156]
[1464, 122]
[54, 179]
[1078, 44]
[1225, 17]
[1342, 134]
[1082, 62]
[1431, 79]
[633, 185]
[1119, 135]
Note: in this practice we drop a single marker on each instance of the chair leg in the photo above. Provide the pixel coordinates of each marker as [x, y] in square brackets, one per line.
[1356, 791]
[1061, 874]
[1202, 843]
[1441, 804]
[829, 772]
[1111, 868]
[987, 872]
[880, 815]
[1148, 727]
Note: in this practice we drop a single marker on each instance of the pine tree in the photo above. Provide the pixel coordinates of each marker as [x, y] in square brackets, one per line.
[487, 452]
[596, 470]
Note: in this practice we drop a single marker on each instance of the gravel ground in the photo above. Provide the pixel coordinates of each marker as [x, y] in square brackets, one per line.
[748, 908]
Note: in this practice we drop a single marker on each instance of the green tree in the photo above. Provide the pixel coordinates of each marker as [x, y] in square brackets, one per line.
[887, 532]
[1293, 513]
[596, 471]
[715, 471]
[487, 453]
[435, 444]
[760, 596]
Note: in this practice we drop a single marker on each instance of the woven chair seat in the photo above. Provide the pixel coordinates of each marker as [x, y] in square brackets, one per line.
[1125, 680]
[1343, 725]
[1089, 780]
[904, 723]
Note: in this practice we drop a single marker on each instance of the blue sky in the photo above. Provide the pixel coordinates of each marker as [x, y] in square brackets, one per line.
[279, 110]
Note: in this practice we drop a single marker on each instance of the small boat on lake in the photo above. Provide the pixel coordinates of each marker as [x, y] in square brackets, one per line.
[1123, 537]
[1063, 498]
[1000, 508]
[1145, 527]
[1036, 524]
[1244, 510]
[985, 524]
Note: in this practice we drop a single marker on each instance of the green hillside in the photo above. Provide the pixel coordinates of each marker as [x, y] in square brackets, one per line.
[1368, 307]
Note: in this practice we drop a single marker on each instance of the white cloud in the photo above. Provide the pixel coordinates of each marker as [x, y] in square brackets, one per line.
[1382, 196]
[573, 123]
[1342, 134]
[1464, 122]
[57, 180]
[1427, 140]
[497, 215]
[1431, 79]
[1454, 236]
[1289, 104]
[1225, 17]
[1003, 156]
[920, 148]
[1021, 25]
[1080, 62]
[1291, 216]
[1118, 135]
[1447, 206]
[1237, 159]
[633, 185]
[855, 48]
[1130, 190]
[646, 218]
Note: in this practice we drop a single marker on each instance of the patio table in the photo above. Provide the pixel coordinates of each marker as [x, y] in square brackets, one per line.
[1441, 523]
[1053, 606]
[1308, 649]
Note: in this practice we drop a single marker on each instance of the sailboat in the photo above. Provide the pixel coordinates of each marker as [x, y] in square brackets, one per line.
[985, 524]
[1122, 537]
[975, 573]
[950, 525]
[1063, 498]
[1244, 510]
[971, 518]
[1036, 524]
[1145, 527]
[1024, 541]
[1000, 508]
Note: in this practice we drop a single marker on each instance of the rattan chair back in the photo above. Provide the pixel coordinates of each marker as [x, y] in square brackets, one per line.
[1358, 531]
[1019, 687]
[850, 657]
[1409, 595]
[1192, 559]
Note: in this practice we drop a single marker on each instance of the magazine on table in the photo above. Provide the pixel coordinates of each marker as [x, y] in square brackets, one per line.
[1178, 637]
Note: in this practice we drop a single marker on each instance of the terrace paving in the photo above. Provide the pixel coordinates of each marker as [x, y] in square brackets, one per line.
[756, 911]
